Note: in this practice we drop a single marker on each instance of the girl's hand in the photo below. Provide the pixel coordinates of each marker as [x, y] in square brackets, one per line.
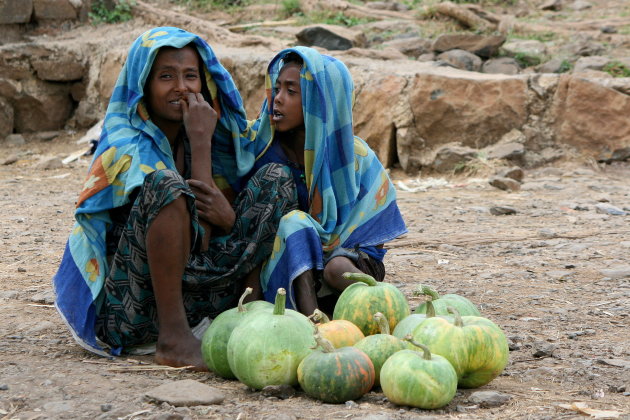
[212, 205]
[200, 120]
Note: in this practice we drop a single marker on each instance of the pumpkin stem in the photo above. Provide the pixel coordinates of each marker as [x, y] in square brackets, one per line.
[425, 350]
[280, 302]
[430, 308]
[428, 291]
[319, 316]
[362, 277]
[383, 324]
[326, 345]
[246, 293]
[459, 322]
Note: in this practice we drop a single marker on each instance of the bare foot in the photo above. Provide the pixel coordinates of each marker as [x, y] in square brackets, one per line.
[180, 351]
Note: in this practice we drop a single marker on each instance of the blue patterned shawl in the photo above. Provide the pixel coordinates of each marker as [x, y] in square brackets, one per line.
[130, 147]
[352, 200]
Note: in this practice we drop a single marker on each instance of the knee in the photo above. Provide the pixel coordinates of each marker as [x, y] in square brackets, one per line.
[334, 269]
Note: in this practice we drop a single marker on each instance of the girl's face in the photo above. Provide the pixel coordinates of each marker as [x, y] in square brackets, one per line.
[287, 103]
[175, 72]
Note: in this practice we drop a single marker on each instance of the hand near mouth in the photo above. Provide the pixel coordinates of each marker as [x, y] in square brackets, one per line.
[199, 119]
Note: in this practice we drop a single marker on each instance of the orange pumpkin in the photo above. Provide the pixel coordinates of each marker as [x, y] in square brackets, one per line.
[340, 332]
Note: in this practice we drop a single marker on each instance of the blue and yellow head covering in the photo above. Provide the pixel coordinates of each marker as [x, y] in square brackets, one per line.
[130, 147]
[352, 202]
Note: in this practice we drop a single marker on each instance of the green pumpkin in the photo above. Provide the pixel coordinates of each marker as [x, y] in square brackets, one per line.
[409, 323]
[215, 339]
[440, 303]
[258, 304]
[335, 375]
[475, 346]
[379, 347]
[267, 347]
[418, 379]
[361, 300]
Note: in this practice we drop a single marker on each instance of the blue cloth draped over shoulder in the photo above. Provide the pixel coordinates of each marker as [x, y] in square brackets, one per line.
[130, 147]
[352, 201]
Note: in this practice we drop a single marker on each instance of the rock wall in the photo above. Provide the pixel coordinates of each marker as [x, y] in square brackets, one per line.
[408, 111]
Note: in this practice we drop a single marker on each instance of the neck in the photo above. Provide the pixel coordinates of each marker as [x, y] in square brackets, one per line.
[292, 143]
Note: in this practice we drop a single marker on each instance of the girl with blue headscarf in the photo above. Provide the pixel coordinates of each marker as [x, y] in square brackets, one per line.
[347, 203]
[157, 244]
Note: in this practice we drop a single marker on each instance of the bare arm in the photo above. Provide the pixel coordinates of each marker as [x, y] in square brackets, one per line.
[200, 120]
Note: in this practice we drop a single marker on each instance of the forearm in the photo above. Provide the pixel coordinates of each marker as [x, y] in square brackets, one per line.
[201, 163]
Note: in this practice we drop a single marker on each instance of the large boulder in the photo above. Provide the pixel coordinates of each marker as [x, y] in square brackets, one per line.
[452, 106]
[6, 118]
[331, 37]
[15, 11]
[590, 117]
[54, 10]
[42, 106]
[461, 59]
[483, 46]
[375, 112]
[60, 67]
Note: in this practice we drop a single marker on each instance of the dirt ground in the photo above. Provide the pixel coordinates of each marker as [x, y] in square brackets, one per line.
[554, 276]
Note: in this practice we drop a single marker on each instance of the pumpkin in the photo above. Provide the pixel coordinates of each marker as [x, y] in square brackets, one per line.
[418, 379]
[258, 304]
[335, 375]
[362, 299]
[379, 347]
[215, 338]
[410, 322]
[440, 303]
[267, 347]
[475, 346]
[340, 333]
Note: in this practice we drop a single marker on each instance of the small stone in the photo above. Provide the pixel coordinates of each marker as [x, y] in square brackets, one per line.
[514, 172]
[41, 326]
[279, 391]
[279, 417]
[187, 392]
[169, 416]
[554, 5]
[21, 270]
[579, 5]
[620, 272]
[547, 233]
[487, 399]
[542, 349]
[604, 208]
[50, 163]
[106, 407]
[608, 29]
[505, 184]
[502, 210]
[15, 140]
[4, 387]
[46, 135]
[46, 297]
[377, 417]
[55, 407]
[351, 404]
[10, 160]
[625, 364]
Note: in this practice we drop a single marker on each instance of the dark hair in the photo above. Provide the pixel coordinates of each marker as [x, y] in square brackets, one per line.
[292, 57]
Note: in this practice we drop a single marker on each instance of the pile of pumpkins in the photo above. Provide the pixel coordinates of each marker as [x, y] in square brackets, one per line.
[444, 344]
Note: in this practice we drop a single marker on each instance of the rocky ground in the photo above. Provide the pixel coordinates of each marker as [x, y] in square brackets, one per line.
[554, 275]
